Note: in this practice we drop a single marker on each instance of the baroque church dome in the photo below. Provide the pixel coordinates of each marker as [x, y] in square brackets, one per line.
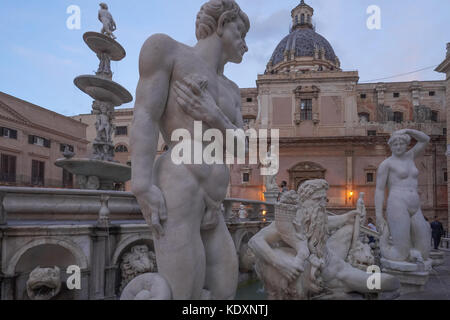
[304, 42]
[303, 49]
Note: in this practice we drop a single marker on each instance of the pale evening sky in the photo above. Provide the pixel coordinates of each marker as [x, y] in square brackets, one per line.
[40, 56]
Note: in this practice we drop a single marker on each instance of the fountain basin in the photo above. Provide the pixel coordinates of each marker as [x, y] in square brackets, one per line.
[100, 43]
[103, 89]
[105, 172]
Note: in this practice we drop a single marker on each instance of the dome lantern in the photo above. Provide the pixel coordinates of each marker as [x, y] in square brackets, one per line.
[302, 16]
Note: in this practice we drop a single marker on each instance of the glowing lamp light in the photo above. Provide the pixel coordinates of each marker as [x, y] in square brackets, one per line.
[350, 195]
[264, 212]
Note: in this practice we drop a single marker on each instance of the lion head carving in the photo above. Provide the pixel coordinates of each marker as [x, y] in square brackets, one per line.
[136, 262]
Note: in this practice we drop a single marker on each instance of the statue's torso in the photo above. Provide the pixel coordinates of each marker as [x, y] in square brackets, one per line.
[227, 97]
[403, 174]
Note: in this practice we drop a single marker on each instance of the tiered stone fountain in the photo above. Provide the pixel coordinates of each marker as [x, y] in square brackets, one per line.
[101, 171]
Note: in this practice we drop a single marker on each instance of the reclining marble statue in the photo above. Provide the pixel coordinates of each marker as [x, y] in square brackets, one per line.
[181, 204]
[405, 237]
[307, 252]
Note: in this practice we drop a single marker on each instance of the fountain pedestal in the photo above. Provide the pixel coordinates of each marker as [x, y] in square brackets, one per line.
[101, 172]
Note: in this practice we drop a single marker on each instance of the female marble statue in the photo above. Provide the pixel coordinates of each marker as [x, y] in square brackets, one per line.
[406, 235]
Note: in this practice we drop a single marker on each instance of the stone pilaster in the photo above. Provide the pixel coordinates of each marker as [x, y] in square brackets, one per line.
[444, 67]
[2, 209]
[98, 258]
[7, 287]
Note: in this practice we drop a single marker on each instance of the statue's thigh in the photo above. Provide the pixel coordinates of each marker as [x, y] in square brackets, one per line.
[398, 219]
[222, 267]
[421, 234]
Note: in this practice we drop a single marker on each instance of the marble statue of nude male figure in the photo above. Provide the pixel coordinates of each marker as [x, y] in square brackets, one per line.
[181, 203]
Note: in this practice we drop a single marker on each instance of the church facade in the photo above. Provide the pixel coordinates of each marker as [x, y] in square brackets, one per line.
[333, 127]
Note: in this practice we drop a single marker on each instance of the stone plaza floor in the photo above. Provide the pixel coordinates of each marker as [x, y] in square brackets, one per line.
[438, 286]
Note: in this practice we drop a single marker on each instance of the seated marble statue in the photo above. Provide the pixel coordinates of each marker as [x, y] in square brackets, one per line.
[406, 235]
[304, 254]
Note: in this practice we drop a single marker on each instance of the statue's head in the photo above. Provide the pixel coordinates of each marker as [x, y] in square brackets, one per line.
[104, 6]
[313, 193]
[229, 22]
[399, 143]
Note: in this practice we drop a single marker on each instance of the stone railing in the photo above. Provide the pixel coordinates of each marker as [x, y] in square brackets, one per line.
[41, 204]
[255, 210]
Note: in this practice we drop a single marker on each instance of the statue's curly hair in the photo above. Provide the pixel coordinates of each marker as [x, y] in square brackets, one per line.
[217, 11]
[307, 188]
[396, 136]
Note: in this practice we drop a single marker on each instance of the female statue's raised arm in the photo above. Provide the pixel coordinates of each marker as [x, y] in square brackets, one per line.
[422, 141]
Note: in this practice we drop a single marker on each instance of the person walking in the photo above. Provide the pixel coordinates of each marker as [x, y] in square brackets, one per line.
[437, 230]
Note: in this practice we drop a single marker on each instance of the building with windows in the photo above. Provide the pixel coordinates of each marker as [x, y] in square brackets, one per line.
[444, 67]
[31, 140]
[331, 126]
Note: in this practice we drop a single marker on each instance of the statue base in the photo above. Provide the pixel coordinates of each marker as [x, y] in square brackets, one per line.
[437, 257]
[271, 196]
[412, 276]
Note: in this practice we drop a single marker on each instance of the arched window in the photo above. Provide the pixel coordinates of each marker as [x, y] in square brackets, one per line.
[296, 19]
[308, 18]
[302, 18]
[121, 148]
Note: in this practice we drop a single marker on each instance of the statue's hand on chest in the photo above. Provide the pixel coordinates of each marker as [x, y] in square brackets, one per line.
[194, 98]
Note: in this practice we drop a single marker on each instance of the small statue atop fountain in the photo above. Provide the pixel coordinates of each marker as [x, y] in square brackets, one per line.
[361, 208]
[106, 18]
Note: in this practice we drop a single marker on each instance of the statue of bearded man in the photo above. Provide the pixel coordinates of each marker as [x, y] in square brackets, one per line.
[305, 258]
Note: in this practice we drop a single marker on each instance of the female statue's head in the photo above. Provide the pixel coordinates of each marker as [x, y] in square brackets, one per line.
[399, 143]
[217, 13]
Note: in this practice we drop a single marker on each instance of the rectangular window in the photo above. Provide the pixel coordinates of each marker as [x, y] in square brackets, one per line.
[249, 99]
[62, 147]
[434, 116]
[444, 131]
[306, 109]
[445, 176]
[431, 93]
[37, 172]
[38, 141]
[7, 168]
[121, 131]
[363, 96]
[398, 117]
[245, 177]
[371, 133]
[369, 177]
[396, 94]
[8, 133]
[67, 179]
